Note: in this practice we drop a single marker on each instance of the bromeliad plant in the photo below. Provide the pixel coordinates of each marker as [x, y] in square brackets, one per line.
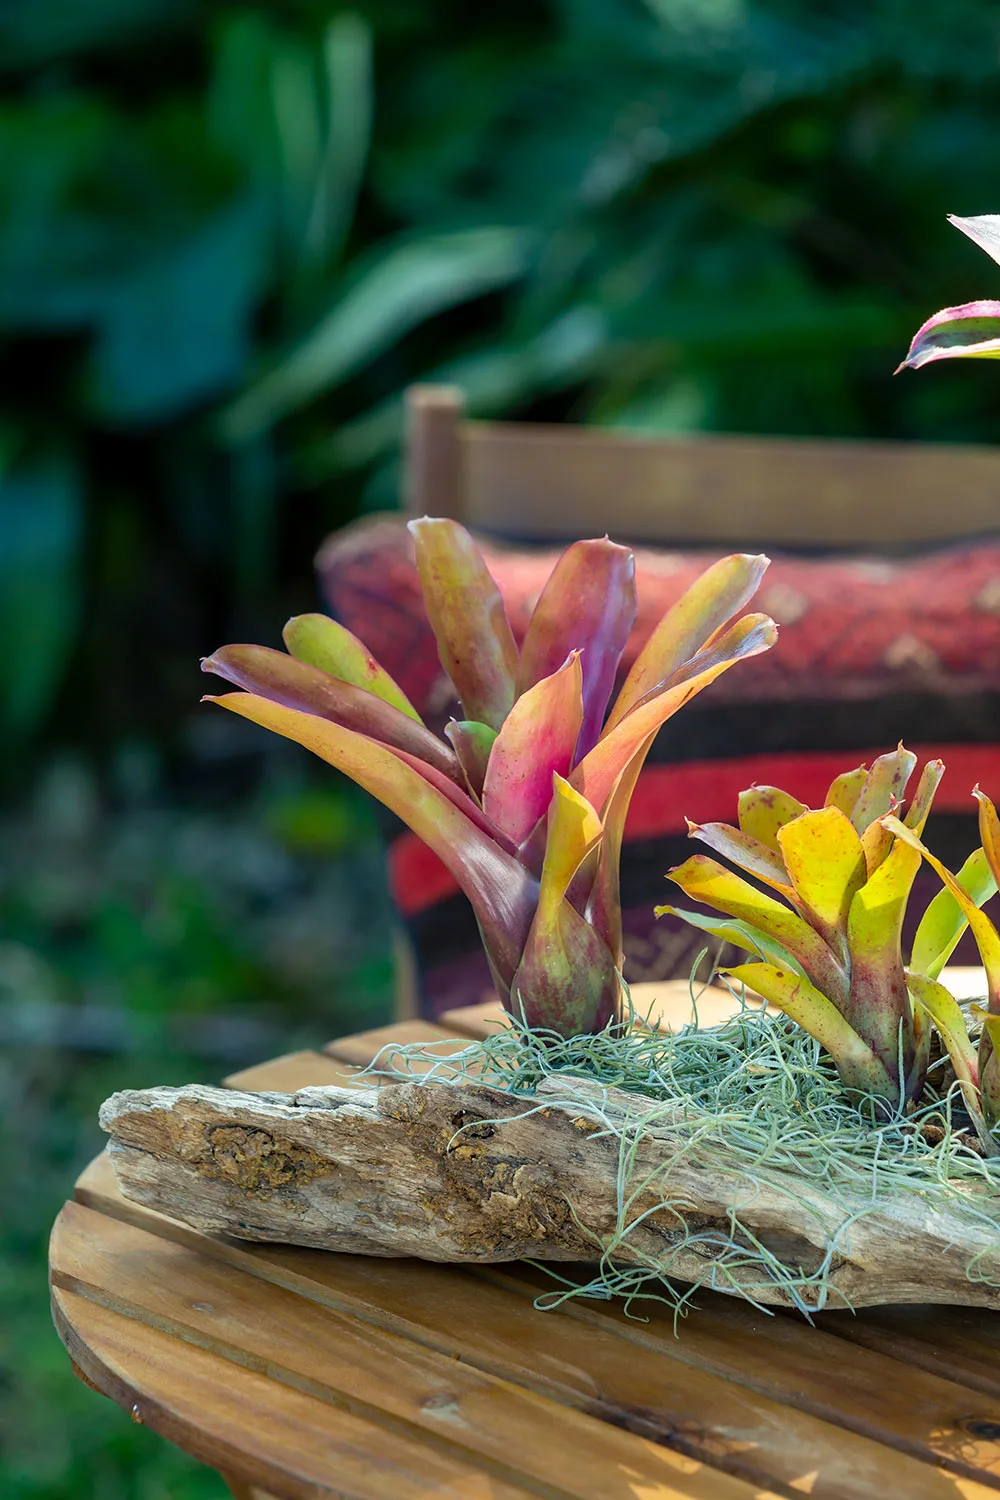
[971, 330]
[525, 798]
[827, 945]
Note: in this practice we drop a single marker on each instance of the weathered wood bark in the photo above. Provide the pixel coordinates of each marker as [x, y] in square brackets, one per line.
[462, 1172]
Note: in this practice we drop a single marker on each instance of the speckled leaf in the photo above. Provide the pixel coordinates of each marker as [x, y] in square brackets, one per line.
[467, 615]
[846, 789]
[885, 781]
[325, 643]
[923, 798]
[762, 810]
[752, 856]
[878, 1004]
[707, 881]
[823, 855]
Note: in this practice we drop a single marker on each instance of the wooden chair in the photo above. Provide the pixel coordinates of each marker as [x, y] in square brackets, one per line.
[547, 483]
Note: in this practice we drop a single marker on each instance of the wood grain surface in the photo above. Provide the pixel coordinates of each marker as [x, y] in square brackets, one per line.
[303, 1374]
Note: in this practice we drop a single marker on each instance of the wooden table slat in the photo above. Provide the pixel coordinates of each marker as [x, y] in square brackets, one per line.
[666, 1003]
[670, 1390]
[245, 1424]
[364, 1046]
[305, 1374]
[378, 1376]
[297, 1070]
[803, 1367]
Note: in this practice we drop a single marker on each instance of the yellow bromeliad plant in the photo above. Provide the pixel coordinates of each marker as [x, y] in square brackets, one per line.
[826, 944]
[525, 798]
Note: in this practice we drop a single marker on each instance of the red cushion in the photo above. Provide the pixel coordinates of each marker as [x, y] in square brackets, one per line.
[862, 625]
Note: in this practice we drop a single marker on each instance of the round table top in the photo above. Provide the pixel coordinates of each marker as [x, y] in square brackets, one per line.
[301, 1374]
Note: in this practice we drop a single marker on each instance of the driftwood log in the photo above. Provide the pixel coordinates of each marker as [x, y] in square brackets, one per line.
[462, 1172]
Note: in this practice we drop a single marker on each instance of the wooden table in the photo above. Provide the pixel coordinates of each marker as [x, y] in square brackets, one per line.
[301, 1375]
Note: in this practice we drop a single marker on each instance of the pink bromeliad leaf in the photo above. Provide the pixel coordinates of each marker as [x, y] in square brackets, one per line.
[598, 772]
[272, 674]
[537, 739]
[568, 979]
[969, 331]
[503, 894]
[706, 607]
[467, 615]
[588, 605]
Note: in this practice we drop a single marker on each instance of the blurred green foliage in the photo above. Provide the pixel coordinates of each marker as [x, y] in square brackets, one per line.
[146, 945]
[231, 234]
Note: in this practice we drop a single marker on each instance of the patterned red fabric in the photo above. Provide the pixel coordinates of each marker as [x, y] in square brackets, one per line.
[862, 626]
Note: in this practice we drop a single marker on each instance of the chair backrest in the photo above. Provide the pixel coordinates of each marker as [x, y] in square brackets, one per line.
[536, 482]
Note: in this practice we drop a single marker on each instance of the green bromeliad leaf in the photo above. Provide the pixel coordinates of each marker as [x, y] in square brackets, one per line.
[858, 1067]
[846, 789]
[884, 788]
[944, 921]
[472, 744]
[328, 645]
[983, 930]
[946, 1013]
[739, 934]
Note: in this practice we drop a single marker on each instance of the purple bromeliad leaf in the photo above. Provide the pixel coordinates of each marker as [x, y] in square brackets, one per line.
[588, 605]
[282, 679]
